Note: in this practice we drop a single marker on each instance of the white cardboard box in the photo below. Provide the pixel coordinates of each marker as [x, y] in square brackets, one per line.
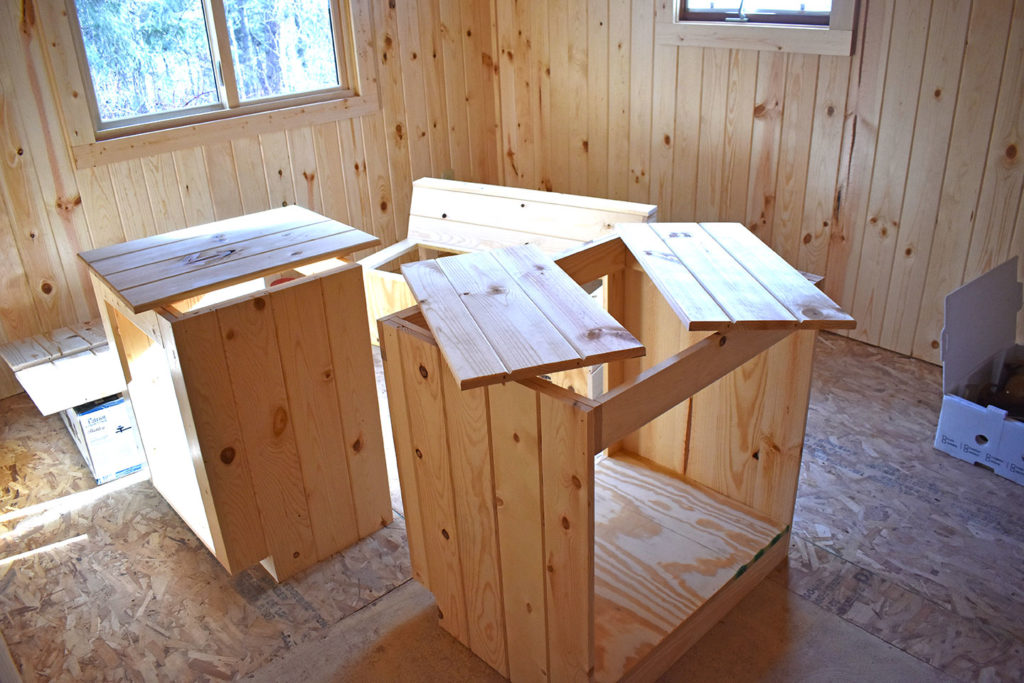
[977, 340]
[105, 433]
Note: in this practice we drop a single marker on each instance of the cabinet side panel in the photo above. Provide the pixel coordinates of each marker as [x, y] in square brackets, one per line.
[401, 430]
[310, 379]
[345, 307]
[473, 485]
[746, 433]
[517, 489]
[267, 428]
[204, 372]
[567, 467]
[422, 370]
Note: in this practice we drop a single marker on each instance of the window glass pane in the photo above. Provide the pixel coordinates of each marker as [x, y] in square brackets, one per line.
[758, 6]
[281, 47]
[147, 56]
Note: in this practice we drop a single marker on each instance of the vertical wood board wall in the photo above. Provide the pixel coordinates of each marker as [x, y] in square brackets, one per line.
[896, 172]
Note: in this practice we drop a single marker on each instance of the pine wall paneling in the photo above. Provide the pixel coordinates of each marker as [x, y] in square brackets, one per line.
[895, 172]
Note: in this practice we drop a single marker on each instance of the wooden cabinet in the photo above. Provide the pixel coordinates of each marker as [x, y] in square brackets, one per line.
[573, 538]
[256, 404]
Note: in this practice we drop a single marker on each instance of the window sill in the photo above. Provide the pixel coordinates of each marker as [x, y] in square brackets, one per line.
[171, 139]
[816, 40]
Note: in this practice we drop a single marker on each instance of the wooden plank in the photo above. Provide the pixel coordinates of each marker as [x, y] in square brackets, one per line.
[769, 95]
[224, 189]
[889, 175]
[307, 365]
[808, 304]
[277, 167]
[965, 165]
[174, 288]
[538, 45]
[577, 95]
[227, 463]
[393, 109]
[252, 181]
[133, 199]
[123, 256]
[1001, 190]
[690, 301]
[501, 310]
[414, 93]
[357, 189]
[477, 44]
[101, 209]
[641, 62]
[794, 152]
[633, 404]
[594, 260]
[69, 381]
[224, 248]
[743, 299]
[331, 174]
[422, 369]
[567, 468]
[934, 119]
[863, 106]
[306, 176]
[821, 198]
[345, 305]
[663, 122]
[594, 334]
[162, 186]
[518, 495]
[559, 82]
[466, 418]
[689, 75]
[739, 118]
[455, 85]
[466, 350]
[619, 98]
[194, 186]
[268, 435]
[379, 180]
[393, 361]
[597, 98]
[432, 52]
[711, 153]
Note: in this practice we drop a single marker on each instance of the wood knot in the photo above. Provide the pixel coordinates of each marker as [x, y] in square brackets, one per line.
[515, 437]
[756, 455]
[830, 110]
[759, 110]
[935, 344]
[565, 522]
[384, 206]
[46, 288]
[807, 238]
[576, 483]
[259, 304]
[721, 342]
[423, 372]
[295, 555]
[328, 373]
[444, 532]
[811, 312]
[229, 335]
[1011, 152]
[419, 454]
[280, 421]
[357, 445]
[227, 456]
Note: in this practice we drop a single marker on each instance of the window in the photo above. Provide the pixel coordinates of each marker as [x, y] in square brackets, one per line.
[810, 26]
[136, 78]
[809, 12]
[154, 60]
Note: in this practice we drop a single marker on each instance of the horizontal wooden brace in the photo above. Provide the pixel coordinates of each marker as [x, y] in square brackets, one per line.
[629, 406]
[594, 259]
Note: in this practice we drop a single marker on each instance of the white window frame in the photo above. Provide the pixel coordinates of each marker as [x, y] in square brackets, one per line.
[834, 39]
[94, 142]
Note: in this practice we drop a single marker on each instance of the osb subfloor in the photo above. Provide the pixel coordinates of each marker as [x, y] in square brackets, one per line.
[906, 565]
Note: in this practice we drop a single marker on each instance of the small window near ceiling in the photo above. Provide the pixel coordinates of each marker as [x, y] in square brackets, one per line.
[809, 12]
[154, 63]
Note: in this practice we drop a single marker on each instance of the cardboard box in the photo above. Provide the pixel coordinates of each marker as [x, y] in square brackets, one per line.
[978, 340]
[105, 433]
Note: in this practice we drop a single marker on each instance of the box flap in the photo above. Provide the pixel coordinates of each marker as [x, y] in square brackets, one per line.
[980, 321]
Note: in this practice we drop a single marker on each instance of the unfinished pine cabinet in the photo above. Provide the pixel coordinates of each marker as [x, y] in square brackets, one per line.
[573, 538]
[256, 403]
